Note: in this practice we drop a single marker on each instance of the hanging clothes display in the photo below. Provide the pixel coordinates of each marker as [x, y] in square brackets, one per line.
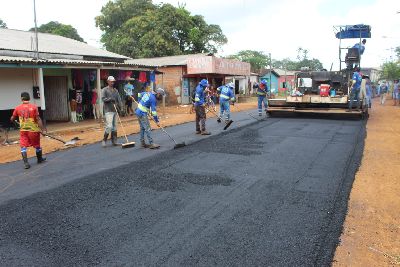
[153, 76]
[121, 75]
[104, 74]
[77, 79]
[142, 77]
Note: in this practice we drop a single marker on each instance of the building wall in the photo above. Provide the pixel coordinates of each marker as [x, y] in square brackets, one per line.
[171, 81]
[274, 84]
[14, 81]
[289, 80]
[59, 72]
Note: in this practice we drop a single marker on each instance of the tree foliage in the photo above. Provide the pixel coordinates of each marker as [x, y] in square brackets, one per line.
[257, 59]
[3, 24]
[138, 28]
[302, 61]
[57, 28]
[391, 70]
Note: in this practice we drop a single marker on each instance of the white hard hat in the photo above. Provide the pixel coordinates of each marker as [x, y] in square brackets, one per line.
[111, 79]
[160, 91]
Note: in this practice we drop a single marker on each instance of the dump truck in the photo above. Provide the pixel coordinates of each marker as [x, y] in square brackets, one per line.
[326, 91]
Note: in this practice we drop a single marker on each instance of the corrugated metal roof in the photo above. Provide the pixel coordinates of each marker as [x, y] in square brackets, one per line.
[281, 72]
[49, 43]
[164, 61]
[7, 59]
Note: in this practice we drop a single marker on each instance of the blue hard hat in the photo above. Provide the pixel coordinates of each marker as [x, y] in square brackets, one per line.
[264, 82]
[204, 83]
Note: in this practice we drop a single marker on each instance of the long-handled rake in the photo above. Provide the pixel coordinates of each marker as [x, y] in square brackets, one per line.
[66, 143]
[228, 123]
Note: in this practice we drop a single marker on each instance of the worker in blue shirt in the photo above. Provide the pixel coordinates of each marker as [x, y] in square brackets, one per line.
[355, 88]
[361, 47]
[262, 93]
[225, 97]
[147, 104]
[199, 105]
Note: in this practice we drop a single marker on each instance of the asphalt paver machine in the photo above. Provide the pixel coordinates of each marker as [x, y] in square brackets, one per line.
[326, 91]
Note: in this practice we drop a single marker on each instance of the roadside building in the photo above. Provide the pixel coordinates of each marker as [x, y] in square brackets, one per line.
[62, 70]
[181, 74]
[286, 80]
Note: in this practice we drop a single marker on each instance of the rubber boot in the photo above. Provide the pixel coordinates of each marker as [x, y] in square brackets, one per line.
[154, 146]
[25, 159]
[104, 142]
[114, 139]
[39, 156]
[143, 144]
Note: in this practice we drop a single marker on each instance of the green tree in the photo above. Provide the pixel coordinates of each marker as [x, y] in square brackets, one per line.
[257, 59]
[138, 28]
[390, 71]
[302, 61]
[3, 24]
[57, 28]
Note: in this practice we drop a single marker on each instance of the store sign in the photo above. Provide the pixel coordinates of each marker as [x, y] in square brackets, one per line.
[210, 64]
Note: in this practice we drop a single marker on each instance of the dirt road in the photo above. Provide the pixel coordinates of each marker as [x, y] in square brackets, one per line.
[371, 234]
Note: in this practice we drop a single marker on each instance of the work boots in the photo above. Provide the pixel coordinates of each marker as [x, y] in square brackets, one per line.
[104, 142]
[143, 144]
[39, 156]
[25, 159]
[205, 133]
[154, 146]
[114, 139]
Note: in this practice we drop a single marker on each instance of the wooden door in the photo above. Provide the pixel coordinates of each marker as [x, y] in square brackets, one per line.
[56, 97]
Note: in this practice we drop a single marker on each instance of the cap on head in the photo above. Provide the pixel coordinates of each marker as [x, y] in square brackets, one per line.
[25, 96]
[160, 91]
[364, 41]
[264, 82]
[204, 83]
[110, 79]
[231, 85]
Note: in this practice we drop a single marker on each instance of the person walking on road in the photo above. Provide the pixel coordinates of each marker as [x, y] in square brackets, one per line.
[226, 96]
[262, 93]
[147, 104]
[396, 92]
[111, 100]
[355, 89]
[128, 88]
[199, 105]
[383, 89]
[30, 128]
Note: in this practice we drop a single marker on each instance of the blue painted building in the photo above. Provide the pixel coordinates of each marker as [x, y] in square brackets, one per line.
[265, 74]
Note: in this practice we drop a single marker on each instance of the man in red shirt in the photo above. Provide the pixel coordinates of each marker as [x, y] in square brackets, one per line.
[30, 128]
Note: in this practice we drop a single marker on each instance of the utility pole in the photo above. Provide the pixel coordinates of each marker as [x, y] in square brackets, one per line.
[36, 32]
[270, 72]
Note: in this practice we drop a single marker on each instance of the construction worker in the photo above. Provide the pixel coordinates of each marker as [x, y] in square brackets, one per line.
[148, 103]
[361, 47]
[355, 88]
[225, 97]
[30, 128]
[262, 93]
[111, 99]
[128, 88]
[199, 105]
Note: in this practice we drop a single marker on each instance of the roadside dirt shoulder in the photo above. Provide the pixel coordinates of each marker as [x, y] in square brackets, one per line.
[371, 234]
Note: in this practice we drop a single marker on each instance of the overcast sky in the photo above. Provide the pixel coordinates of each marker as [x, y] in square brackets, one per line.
[276, 27]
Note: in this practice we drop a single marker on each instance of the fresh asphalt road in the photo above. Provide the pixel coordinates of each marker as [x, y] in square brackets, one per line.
[268, 193]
